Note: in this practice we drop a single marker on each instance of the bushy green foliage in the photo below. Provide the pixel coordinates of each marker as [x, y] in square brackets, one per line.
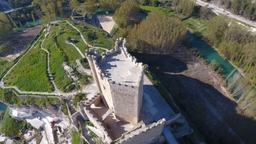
[4, 64]
[64, 109]
[30, 73]
[8, 96]
[10, 126]
[41, 101]
[5, 25]
[216, 67]
[158, 33]
[186, 7]
[57, 57]
[78, 97]
[76, 139]
[19, 3]
[127, 14]
[102, 40]
[113, 4]
[5, 47]
[216, 28]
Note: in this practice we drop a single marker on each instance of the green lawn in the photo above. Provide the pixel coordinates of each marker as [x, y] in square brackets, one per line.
[76, 139]
[196, 24]
[69, 50]
[56, 60]
[152, 8]
[30, 73]
[69, 31]
[95, 36]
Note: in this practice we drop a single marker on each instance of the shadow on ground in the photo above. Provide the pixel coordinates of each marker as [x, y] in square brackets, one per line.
[213, 115]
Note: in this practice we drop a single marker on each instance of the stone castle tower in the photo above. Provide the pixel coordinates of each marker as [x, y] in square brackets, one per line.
[119, 79]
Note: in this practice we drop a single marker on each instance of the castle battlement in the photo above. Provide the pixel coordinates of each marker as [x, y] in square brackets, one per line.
[98, 123]
[119, 77]
[143, 133]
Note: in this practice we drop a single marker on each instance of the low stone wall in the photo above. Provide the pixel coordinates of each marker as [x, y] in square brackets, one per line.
[98, 123]
[144, 135]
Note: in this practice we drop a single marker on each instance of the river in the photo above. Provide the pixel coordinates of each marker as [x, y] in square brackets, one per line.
[2, 106]
[209, 53]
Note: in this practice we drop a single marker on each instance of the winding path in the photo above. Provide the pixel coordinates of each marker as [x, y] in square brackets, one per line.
[57, 92]
[48, 64]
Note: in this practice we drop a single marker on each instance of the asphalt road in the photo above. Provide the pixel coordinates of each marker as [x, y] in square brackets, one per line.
[218, 10]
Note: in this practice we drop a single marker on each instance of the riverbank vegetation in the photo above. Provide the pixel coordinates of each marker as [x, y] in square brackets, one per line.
[228, 37]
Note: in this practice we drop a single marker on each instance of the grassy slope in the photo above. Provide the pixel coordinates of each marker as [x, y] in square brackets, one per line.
[102, 39]
[10, 126]
[56, 61]
[30, 73]
[4, 65]
[161, 9]
[76, 139]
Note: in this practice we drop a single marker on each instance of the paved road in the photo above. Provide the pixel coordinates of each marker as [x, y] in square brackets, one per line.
[219, 10]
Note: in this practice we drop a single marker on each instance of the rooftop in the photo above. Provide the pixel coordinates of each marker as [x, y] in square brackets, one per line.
[35, 122]
[121, 69]
[20, 113]
[154, 108]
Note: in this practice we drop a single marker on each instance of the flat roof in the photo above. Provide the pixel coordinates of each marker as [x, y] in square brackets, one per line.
[120, 69]
[35, 122]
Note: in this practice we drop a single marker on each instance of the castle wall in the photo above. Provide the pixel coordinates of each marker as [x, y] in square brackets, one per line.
[126, 101]
[98, 123]
[144, 135]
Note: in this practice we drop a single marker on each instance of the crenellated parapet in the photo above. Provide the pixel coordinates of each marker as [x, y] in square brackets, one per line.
[144, 134]
[97, 122]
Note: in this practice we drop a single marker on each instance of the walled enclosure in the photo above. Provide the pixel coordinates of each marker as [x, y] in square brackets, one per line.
[119, 79]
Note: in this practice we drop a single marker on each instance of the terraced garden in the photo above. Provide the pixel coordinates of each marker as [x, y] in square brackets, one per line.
[31, 74]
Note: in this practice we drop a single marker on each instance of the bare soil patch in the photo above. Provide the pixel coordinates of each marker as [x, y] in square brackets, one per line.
[106, 22]
[20, 42]
[203, 100]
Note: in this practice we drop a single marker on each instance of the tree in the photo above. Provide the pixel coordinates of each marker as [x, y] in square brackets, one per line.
[186, 7]
[49, 9]
[216, 28]
[158, 33]
[113, 4]
[89, 5]
[5, 25]
[127, 13]
[74, 3]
